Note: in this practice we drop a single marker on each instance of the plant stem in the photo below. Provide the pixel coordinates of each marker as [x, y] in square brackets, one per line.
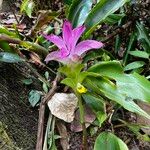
[82, 121]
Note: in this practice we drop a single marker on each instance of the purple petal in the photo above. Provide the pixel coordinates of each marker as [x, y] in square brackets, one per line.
[60, 56]
[52, 56]
[85, 46]
[76, 33]
[67, 33]
[57, 40]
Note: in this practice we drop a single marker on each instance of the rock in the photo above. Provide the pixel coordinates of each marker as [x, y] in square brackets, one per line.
[63, 105]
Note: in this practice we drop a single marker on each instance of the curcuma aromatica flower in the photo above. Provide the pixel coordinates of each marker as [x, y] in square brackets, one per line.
[69, 51]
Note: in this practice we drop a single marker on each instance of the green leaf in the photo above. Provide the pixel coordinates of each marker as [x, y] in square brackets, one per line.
[97, 105]
[5, 46]
[114, 18]
[134, 65]
[100, 12]
[108, 141]
[108, 89]
[134, 86]
[46, 75]
[34, 97]
[79, 11]
[68, 2]
[130, 46]
[95, 102]
[141, 54]
[10, 58]
[143, 37]
[27, 81]
[45, 87]
[4, 30]
[69, 82]
[108, 68]
[71, 70]
[27, 6]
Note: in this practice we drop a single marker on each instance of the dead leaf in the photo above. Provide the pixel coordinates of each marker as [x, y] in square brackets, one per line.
[63, 105]
[89, 118]
[43, 18]
[64, 141]
[142, 120]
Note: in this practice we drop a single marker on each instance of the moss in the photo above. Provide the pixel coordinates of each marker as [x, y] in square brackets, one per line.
[5, 142]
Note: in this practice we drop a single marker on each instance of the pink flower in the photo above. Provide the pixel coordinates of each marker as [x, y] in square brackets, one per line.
[69, 51]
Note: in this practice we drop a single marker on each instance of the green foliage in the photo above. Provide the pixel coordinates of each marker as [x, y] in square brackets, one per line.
[27, 7]
[34, 97]
[134, 65]
[98, 106]
[10, 58]
[106, 88]
[108, 141]
[27, 81]
[114, 18]
[143, 37]
[140, 54]
[100, 12]
[79, 11]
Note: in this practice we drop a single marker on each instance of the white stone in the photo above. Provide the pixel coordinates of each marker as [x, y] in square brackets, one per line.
[63, 105]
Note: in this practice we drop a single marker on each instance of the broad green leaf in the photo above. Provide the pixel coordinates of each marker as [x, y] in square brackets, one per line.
[10, 58]
[134, 86]
[100, 12]
[72, 70]
[27, 6]
[141, 54]
[114, 18]
[69, 82]
[95, 102]
[79, 11]
[34, 97]
[109, 141]
[143, 37]
[131, 85]
[134, 65]
[105, 87]
[109, 68]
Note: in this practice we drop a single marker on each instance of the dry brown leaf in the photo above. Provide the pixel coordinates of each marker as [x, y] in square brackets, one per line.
[64, 140]
[89, 118]
[142, 120]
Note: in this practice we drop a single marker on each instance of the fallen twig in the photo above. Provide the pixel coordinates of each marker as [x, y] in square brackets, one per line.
[39, 143]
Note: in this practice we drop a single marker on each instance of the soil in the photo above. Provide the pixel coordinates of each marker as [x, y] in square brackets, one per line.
[15, 110]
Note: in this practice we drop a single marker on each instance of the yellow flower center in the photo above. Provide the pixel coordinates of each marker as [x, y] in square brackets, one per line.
[81, 88]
